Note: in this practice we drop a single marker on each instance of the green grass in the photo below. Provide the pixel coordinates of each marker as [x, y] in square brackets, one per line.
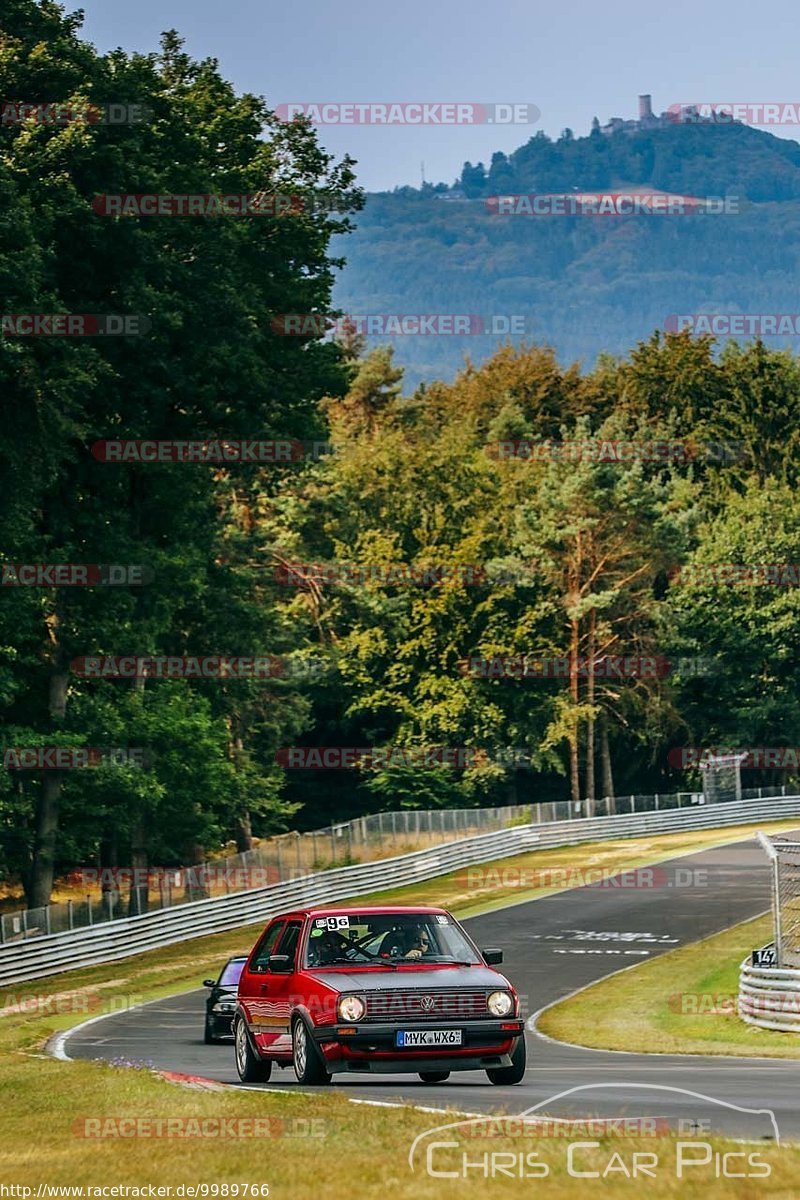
[683, 1002]
[364, 1149]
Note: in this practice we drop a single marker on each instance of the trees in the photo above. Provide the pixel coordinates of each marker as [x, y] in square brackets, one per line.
[600, 531]
[212, 366]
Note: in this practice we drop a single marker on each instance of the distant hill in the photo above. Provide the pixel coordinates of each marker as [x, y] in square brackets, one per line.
[584, 284]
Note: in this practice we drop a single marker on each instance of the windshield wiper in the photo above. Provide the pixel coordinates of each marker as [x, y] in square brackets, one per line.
[349, 962]
[447, 961]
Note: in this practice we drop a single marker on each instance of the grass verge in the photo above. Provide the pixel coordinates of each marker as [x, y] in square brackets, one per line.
[683, 1002]
[353, 1147]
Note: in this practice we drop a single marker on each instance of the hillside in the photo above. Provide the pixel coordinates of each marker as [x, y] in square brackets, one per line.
[583, 284]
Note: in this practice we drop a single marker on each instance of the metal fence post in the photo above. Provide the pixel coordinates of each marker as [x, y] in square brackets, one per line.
[772, 854]
[69, 915]
[47, 918]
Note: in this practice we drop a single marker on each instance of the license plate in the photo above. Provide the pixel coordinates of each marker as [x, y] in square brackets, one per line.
[429, 1037]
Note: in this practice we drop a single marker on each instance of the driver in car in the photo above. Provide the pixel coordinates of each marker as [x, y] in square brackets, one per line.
[327, 948]
[421, 944]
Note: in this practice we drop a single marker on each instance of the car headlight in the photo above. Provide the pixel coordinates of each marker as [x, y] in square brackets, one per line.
[500, 1004]
[351, 1008]
[224, 1006]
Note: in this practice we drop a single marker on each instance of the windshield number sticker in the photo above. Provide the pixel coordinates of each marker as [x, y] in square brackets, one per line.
[332, 922]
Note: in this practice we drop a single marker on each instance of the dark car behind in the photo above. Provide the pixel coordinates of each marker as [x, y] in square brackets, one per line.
[221, 1000]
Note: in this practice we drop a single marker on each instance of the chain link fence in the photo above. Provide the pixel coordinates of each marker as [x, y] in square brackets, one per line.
[785, 859]
[108, 894]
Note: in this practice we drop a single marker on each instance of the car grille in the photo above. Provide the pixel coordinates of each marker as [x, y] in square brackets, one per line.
[419, 1005]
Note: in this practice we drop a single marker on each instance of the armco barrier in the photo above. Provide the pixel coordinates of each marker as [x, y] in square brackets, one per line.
[34, 959]
[770, 997]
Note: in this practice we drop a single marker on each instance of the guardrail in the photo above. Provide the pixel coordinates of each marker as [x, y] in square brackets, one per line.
[770, 996]
[121, 892]
[48, 955]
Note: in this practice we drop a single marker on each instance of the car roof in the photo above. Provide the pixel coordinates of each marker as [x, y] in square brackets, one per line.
[336, 910]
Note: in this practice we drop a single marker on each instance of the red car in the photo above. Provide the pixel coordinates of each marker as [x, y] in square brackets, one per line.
[375, 990]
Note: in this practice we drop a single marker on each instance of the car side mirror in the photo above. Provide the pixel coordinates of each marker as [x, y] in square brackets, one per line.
[493, 958]
[281, 964]
[209, 983]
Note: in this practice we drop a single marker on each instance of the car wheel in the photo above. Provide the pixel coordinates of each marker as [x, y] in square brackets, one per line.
[434, 1076]
[251, 1068]
[208, 1035]
[308, 1063]
[516, 1072]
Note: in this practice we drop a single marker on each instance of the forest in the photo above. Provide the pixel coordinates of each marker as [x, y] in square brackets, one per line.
[533, 580]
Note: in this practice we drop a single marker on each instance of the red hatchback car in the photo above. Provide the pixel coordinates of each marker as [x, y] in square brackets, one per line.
[375, 990]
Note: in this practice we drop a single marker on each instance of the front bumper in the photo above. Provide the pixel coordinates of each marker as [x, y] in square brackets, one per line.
[372, 1049]
[221, 1024]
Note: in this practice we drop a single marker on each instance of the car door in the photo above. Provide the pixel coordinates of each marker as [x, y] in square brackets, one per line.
[281, 989]
[253, 985]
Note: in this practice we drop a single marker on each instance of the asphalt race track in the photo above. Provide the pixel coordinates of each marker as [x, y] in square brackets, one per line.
[552, 947]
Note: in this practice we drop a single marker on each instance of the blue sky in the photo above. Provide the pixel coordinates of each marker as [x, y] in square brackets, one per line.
[572, 60]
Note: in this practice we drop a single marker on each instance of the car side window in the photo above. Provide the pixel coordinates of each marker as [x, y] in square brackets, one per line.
[288, 943]
[260, 959]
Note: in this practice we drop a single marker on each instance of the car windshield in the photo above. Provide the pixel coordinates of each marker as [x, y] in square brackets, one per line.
[386, 939]
[231, 972]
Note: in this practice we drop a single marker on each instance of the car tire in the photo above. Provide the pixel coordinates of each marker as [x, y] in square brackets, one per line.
[208, 1034]
[309, 1066]
[434, 1076]
[516, 1072]
[250, 1067]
